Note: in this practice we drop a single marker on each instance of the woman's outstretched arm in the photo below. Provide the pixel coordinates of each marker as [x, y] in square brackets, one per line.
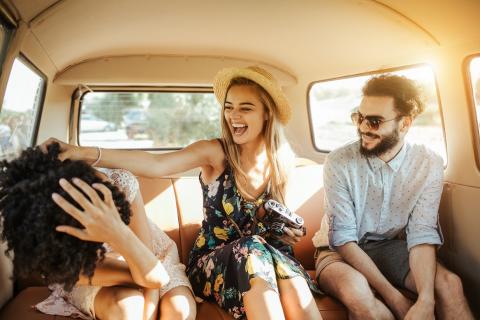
[204, 153]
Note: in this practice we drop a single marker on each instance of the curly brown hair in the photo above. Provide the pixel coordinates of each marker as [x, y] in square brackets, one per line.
[405, 93]
[29, 217]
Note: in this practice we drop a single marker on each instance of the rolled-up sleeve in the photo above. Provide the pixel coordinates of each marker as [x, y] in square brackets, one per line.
[338, 205]
[423, 226]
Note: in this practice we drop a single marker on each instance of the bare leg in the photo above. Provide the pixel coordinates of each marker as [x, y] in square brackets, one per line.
[152, 298]
[297, 300]
[178, 303]
[351, 288]
[450, 302]
[119, 303]
[262, 302]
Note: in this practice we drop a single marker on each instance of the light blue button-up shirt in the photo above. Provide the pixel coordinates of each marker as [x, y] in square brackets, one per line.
[369, 199]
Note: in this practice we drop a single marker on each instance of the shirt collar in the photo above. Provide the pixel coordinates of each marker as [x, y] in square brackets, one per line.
[397, 161]
[376, 163]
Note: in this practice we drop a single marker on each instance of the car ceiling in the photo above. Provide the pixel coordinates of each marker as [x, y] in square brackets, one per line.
[310, 39]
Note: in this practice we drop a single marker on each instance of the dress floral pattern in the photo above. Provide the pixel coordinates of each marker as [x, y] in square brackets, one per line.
[232, 248]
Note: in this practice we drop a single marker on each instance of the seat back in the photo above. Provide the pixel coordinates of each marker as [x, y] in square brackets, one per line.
[175, 205]
[305, 196]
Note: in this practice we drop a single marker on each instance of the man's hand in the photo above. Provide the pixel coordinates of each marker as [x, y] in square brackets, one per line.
[398, 304]
[421, 310]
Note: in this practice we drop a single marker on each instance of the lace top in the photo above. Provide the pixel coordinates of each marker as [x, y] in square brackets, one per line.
[79, 303]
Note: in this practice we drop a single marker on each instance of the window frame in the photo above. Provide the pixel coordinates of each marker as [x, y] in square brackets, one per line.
[472, 109]
[41, 102]
[372, 73]
[135, 89]
[10, 29]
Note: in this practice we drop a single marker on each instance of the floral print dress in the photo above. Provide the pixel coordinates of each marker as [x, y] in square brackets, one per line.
[232, 248]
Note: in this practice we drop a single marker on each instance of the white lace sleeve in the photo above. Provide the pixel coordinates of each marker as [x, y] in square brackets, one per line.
[124, 180]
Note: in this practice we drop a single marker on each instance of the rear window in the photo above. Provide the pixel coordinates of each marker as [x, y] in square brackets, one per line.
[21, 108]
[147, 120]
[332, 101]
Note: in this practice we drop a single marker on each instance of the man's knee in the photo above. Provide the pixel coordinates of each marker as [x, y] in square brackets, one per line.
[351, 288]
[355, 289]
[448, 283]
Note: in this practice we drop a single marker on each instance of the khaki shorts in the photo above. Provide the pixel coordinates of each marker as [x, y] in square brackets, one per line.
[324, 257]
[390, 256]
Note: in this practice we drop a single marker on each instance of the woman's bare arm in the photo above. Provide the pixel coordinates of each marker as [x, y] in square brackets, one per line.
[110, 272]
[204, 153]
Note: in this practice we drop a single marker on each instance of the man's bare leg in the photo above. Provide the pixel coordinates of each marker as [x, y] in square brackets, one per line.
[350, 287]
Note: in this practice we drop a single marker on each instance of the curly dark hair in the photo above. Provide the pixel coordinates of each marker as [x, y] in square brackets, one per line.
[405, 92]
[29, 217]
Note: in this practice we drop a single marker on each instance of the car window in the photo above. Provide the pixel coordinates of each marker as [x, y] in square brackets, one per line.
[147, 120]
[474, 71]
[332, 101]
[21, 108]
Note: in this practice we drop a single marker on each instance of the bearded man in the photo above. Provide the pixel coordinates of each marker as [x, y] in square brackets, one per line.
[381, 212]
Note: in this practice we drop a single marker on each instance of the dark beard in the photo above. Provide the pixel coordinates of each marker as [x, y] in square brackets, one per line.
[386, 143]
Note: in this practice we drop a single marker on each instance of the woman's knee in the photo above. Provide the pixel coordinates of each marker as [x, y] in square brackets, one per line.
[297, 299]
[178, 303]
[125, 303]
[296, 290]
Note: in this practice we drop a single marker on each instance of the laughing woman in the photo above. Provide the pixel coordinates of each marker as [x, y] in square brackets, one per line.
[235, 262]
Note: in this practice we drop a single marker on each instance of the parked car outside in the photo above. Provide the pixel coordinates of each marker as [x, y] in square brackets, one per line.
[90, 123]
[135, 123]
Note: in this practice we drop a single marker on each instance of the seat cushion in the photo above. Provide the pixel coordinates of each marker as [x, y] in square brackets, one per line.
[21, 307]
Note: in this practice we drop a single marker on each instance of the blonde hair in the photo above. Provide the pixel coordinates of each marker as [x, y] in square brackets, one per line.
[279, 153]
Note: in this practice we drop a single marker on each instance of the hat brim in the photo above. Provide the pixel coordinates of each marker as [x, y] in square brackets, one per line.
[222, 80]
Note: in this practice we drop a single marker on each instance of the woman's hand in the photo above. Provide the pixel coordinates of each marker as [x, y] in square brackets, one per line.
[100, 218]
[291, 235]
[67, 151]
[102, 223]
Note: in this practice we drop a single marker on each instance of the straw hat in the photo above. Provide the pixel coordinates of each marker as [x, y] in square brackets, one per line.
[260, 76]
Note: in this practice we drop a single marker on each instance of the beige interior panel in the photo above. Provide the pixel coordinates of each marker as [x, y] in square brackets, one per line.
[460, 219]
[157, 70]
[315, 27]
[158, 196]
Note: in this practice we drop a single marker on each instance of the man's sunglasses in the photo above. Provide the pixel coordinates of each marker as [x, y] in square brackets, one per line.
[373, 122]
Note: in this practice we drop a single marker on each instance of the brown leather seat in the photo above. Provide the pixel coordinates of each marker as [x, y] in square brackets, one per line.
[175, 205]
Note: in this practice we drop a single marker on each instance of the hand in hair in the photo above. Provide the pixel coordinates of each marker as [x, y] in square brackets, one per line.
[102, 223]
[29, 217]
[99, 218]
[66, 151]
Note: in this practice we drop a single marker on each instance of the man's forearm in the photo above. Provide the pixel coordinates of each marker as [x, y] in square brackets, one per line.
[358, 259]
[423, 266]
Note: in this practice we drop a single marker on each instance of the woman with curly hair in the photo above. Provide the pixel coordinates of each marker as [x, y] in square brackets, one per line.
[235, 261]
[68, 222]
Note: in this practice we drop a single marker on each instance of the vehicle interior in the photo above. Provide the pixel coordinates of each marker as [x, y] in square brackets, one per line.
[138, 75]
